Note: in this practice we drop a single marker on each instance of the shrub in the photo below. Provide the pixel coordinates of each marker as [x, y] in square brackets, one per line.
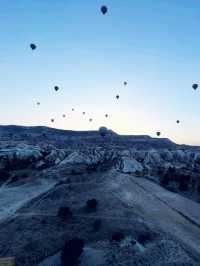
[144, 237]
[92, 204]
[117, 236]
[71, 252]
[4, 175]
[24, 175]
[164, 181]
[64, 213]
[14, 179]
[97, 224]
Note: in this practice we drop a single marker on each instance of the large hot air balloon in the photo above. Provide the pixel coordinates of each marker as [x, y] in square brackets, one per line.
[117, 96]
[56, 88]
[103, 131]
[158, 133]
[104, 10]
[33, 46]
[177, 121]
[195, 86]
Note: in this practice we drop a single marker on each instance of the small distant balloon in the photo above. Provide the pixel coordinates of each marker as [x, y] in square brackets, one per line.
[56, 88]
[90, 119]
[103, 131]
[52, 120]
[177, 121]
[195, 86]
[104, 10]
[125, 83]
[72, 109]
[38, 103]
[117, 96]
[158, 133]
[33, 46]
[106, 115]
[83, 113]
[64, 115]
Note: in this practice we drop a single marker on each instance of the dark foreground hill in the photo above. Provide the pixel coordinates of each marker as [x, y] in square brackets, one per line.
[132, 200]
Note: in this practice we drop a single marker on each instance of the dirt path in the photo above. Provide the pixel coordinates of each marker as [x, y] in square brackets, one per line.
[13, 198]
[175, 215]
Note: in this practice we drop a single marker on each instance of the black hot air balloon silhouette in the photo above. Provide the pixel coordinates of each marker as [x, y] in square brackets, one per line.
[90, 119]
[33, 46]
[177, 121]
[158, 133]
[52, 120]
[195, 86]
[125, 83]
[104, 10]
[56, 88]
[106, 115]
[117, 96]
[38, 103]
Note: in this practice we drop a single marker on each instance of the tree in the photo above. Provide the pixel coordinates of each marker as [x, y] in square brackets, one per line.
[71, 252]
[92, 204]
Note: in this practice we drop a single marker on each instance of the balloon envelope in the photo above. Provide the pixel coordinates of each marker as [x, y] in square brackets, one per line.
[103, 131]
[104, 10]
[33, 46]
[195, 86]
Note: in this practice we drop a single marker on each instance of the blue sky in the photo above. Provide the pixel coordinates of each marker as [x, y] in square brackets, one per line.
[152, 44]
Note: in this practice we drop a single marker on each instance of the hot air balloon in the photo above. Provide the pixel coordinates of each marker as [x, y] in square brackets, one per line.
[56, 88]
[90, 119]
[52, 120]
[38, 103]
[103, 131]
[195, 86]
[106, 115]
[83, 113]
[117, 96]
[72, 109]
[125, 83]
[64, 115]
[177, 121]
[33, 46]
[104, 10]
[158, 133]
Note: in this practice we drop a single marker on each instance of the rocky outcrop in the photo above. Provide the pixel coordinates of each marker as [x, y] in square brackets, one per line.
[130, 166]
[19, 157]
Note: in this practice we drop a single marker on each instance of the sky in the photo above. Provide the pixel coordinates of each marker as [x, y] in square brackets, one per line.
[151, 44]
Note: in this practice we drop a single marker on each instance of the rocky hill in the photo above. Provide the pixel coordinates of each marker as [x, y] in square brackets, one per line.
[144, 195]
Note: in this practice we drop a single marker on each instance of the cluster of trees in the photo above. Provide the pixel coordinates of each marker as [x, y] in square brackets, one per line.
[182, 180]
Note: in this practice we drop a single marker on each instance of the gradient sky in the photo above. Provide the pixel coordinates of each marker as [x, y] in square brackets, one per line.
[154, 45]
